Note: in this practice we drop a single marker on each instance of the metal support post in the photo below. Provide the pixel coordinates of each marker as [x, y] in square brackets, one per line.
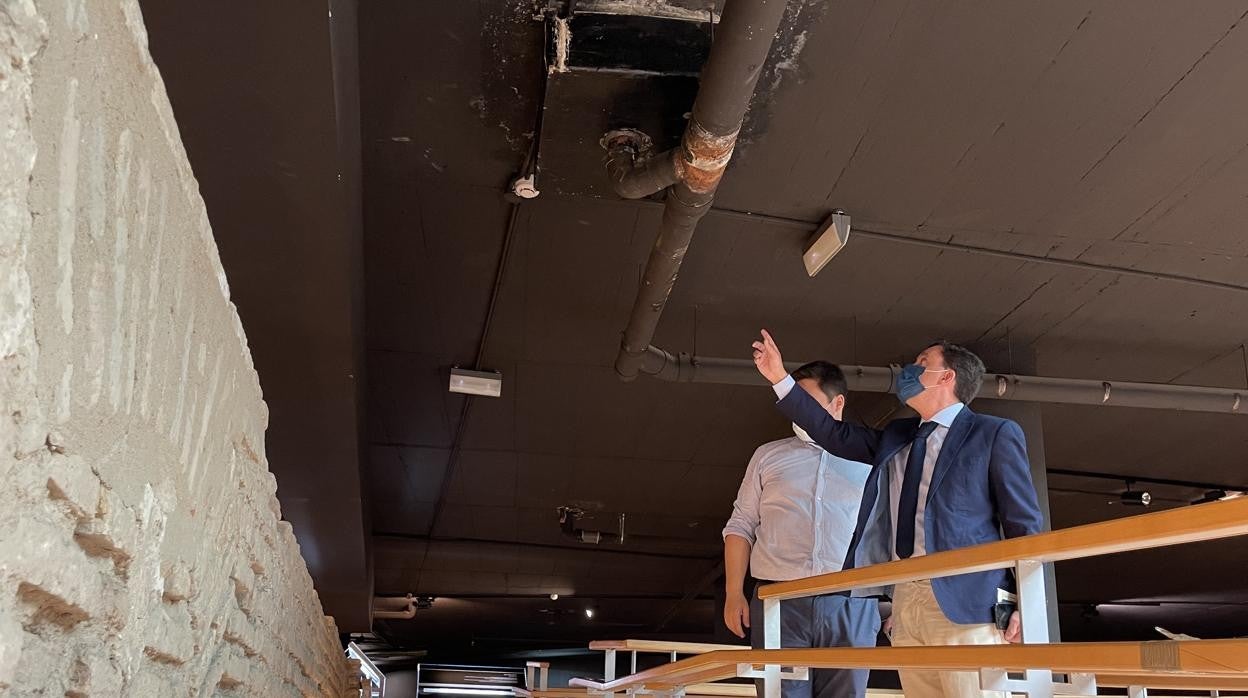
[1033, 608]
[771, 641]
[608, 671]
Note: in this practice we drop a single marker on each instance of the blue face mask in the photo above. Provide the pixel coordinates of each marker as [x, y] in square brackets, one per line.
[908, 384]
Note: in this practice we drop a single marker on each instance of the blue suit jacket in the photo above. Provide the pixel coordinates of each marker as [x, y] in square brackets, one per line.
[981, 491]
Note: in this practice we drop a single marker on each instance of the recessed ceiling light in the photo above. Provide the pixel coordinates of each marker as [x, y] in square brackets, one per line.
[554, 597]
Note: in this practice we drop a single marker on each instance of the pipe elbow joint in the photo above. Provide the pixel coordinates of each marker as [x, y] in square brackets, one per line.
[633, 172]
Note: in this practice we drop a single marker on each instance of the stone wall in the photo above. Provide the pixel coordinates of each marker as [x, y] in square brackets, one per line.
[142, 551]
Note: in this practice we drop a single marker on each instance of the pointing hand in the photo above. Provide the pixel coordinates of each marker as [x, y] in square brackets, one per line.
[768, 360]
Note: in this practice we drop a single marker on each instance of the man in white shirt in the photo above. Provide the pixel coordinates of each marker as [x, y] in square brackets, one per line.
[793, 518]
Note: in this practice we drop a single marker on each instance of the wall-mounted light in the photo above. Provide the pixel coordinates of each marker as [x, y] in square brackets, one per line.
[1210, 496]
[1136, 498]
[486, 383]
[589, 613]
[827, 241]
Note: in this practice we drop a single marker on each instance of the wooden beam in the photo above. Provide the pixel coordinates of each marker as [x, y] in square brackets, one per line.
[1183, 525]
[1179, 681]
[711, 674]
[728, 690]
[1203, 657]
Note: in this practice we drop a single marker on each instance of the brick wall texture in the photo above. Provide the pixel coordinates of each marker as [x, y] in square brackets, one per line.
[142, 551]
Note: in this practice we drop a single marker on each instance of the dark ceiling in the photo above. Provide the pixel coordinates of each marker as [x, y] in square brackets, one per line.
[1114, 133]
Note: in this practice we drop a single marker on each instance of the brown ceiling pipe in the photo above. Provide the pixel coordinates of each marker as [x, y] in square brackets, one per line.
[743, 39]
[684, 368]
[634, 173]
[408, 613]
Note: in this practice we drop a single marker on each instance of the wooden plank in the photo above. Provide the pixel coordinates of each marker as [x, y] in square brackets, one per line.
[1186, 682]
[730, 690]
[662, 646]
[1206, 657]
[1181, 682]
[715, 673]
[1183, 525]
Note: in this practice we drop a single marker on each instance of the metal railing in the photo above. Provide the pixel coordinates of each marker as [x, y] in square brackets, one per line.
[1198, 665]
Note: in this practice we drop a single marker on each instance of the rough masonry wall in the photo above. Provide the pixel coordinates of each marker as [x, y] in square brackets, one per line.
[141, 547]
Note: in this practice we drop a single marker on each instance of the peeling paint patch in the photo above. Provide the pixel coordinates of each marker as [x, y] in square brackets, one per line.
[67, 206]
[121, 228]
[64, 394]
[649, 8]
[789, 63]
[563, 39]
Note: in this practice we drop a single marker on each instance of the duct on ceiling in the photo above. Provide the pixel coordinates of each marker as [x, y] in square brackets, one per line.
[684, 368]
[690, 174]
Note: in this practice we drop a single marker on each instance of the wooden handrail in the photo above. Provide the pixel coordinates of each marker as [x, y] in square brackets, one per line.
[1206, 658]
[1179, 682]
[662, 646]
[1176, 682]
[1184, 525]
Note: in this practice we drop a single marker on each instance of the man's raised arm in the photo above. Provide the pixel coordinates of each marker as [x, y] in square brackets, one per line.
[847, 441]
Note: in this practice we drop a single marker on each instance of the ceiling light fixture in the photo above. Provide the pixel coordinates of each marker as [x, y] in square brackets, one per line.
[486, 383]
[1133, 498]
[1210, 496]
[829, 239]
[589, 613]
[554, 597]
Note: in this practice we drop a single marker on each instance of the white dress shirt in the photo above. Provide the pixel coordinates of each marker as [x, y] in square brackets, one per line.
[797, 506]
[897, 468]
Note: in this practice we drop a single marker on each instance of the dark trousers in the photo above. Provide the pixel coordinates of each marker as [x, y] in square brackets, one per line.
[822, 621]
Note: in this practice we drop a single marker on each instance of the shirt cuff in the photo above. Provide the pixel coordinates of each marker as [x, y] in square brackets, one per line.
[783, 387]
[735, 530]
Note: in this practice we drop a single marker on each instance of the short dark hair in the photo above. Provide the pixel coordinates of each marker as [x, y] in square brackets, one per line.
[828, 375]
[968, 369]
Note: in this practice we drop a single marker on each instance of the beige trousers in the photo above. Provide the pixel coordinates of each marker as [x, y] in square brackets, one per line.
[918, 620]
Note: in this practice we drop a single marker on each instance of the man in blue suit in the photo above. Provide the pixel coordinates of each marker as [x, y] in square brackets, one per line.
[949, 479]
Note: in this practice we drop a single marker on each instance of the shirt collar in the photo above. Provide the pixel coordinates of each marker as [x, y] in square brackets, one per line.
[946, 416]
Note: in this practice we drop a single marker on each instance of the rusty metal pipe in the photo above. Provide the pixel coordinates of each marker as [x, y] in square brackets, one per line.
[742, 41]
[633, 173]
